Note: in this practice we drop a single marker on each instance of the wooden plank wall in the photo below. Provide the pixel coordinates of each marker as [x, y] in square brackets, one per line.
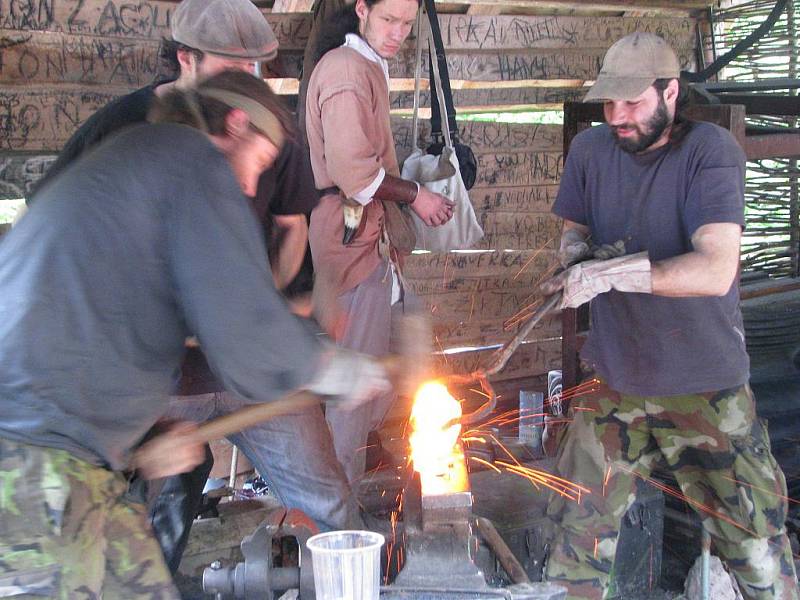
[60, 60]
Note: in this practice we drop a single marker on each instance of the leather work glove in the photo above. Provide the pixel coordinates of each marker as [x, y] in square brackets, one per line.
[573, 248]
[353, 378]
[582, 282]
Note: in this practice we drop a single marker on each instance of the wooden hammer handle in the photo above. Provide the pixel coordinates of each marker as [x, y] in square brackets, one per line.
[254, 414]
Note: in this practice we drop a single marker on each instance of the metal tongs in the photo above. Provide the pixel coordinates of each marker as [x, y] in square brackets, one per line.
[500, 359]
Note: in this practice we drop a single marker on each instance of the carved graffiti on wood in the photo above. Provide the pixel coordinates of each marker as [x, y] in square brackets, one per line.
[475, 332]
[519, 168]
[469, 265]
[18, 174]
[43, 119]
[33, 49]
[496, 97]
[490, 305]
[514, 32]
[97, 17]
[59, 58]
[519, 231]
[514, 199]
[151, 19]
[291, 29]
[485, 136]
[457, 283]
[578, 64]
[509, 66]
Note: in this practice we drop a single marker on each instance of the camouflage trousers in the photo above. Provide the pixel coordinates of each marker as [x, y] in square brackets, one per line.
[66, 531]
[719, 453]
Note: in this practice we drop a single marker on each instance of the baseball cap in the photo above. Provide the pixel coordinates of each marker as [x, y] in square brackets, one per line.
[631, 65]
[232, 28]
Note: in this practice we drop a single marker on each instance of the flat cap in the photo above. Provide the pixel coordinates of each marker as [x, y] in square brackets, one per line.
[232, 28]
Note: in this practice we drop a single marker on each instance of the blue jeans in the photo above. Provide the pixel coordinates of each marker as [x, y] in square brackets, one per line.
[293, 452]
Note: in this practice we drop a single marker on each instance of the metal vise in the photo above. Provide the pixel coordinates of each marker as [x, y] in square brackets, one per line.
[256, 577]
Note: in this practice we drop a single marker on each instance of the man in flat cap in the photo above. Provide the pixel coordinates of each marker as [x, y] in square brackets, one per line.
[293, 453]
[667, 341]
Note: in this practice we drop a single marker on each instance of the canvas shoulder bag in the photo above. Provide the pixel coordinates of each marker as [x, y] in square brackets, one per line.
[439, 174]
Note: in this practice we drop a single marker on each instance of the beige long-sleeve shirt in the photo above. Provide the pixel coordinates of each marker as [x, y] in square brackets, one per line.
[350, 138]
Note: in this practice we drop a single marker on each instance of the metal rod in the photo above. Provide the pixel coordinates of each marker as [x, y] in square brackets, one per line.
[705, 583]
[234, 467]
[794, 180]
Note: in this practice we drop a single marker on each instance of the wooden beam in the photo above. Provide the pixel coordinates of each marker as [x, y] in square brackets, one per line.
[48, 57]
[150, 20]
[513, 66]
[469, 32]
[672, 7]
[727, 116]
[108, 18]
[34, 57]
[36, 118]
[484, 10]
[772, 145]
[42, 118]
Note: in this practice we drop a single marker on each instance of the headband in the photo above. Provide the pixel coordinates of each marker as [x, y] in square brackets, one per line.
[260, 117]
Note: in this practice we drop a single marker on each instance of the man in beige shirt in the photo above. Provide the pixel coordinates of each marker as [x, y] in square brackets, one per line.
[354, 160]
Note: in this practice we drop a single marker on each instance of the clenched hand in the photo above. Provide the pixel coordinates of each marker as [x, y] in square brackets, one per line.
[169, 453]
[434, 209]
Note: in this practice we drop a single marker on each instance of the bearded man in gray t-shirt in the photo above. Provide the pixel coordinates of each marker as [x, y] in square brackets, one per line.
[666, 342]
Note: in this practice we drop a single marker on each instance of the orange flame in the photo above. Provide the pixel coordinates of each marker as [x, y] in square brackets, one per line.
[435, 448]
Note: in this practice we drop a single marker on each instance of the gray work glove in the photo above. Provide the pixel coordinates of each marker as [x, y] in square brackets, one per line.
[353, 378]
[573, 248]
[582, 282]
[606, 251]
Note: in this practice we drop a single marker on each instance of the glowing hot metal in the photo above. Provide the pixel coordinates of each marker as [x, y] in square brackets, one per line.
[436, 451]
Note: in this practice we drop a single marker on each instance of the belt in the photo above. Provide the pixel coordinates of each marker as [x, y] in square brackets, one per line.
[329, 190]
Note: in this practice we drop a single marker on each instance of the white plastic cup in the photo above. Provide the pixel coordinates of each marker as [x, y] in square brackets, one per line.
[347, 564]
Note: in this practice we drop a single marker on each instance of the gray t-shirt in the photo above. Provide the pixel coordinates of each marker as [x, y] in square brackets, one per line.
[640, 343]
[142, 241]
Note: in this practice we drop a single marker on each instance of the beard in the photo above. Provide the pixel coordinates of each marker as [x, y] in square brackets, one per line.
[649, 134]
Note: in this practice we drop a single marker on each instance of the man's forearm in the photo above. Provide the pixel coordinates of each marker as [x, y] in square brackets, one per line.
[292, 249]
[709, 270]
[690, 275]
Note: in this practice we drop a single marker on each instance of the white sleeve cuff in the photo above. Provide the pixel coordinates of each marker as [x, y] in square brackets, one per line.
[364, 197]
